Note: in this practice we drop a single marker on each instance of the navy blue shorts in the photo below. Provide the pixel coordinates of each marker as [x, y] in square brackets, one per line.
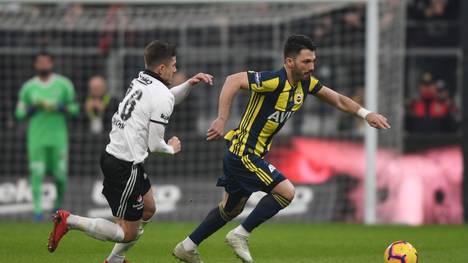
[248, 174]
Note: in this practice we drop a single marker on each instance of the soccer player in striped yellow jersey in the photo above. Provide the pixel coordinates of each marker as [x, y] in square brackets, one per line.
[275, 96]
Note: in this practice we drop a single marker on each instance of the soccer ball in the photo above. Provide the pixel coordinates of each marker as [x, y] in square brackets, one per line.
[401, 252]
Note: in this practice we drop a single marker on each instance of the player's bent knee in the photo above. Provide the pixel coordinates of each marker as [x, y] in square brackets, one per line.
[130, 230]
[227, 214]
[130, 236]
[285, 189]
[290, 194]
[148, 212]
[147, 215]
[234, 213]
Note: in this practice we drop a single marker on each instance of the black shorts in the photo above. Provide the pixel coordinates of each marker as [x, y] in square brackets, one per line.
[248, 174]
[125, 184]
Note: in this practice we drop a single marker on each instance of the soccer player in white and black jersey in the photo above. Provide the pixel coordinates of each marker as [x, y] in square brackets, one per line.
[138, 125]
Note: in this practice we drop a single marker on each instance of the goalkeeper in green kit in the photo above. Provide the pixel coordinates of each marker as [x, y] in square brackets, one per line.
[45, 100]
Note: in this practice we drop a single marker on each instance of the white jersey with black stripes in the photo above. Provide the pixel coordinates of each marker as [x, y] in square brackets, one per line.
[147, 100]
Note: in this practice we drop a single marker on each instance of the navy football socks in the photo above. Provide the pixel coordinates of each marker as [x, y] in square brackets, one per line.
[212, 222]
[269, 206]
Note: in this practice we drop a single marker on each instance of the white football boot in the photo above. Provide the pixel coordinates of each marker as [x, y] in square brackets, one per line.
[240, 245]
[189, 256]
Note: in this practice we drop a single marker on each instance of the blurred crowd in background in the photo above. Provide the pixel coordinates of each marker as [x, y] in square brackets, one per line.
[99, 47]
[432, 92]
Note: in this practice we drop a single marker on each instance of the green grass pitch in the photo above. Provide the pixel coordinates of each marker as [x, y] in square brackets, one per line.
[272, 242]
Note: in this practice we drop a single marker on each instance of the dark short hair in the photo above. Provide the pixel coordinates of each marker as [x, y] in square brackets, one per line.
[296, 43]
[43, 53]
[158, 52]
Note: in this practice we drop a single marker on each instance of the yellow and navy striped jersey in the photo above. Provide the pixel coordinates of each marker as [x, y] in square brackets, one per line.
[272, 102]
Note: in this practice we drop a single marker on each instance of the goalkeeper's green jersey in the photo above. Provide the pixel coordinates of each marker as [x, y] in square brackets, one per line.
[47, 126]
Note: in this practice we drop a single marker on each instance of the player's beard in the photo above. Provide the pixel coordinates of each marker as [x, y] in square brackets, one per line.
[44, 73]
[302, 76]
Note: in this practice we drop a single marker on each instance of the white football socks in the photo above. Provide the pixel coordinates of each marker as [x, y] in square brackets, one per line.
[188, 244]
[118, 252]
[97, 227]
[240, 230]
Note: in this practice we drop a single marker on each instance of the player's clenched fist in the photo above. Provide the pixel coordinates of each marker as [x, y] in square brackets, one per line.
[175, 143]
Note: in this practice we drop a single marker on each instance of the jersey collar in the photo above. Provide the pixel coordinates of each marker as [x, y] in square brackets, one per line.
[156, 76]
[46, 83]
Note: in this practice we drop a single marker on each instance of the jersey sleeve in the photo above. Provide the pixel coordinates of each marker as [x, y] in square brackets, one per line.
[314, 86]
[162, 111]
[263, 81]
[70, 103]
[23, 103]
[156, 143]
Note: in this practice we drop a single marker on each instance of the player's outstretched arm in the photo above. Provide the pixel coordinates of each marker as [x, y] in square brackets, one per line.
[181, 91]
[231, 87]
[156, 143]
[346, 104]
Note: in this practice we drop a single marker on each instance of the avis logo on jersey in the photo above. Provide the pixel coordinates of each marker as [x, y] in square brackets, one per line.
[280, 116]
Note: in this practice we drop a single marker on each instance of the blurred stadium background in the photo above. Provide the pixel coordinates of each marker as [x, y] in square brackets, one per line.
[420, 163]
